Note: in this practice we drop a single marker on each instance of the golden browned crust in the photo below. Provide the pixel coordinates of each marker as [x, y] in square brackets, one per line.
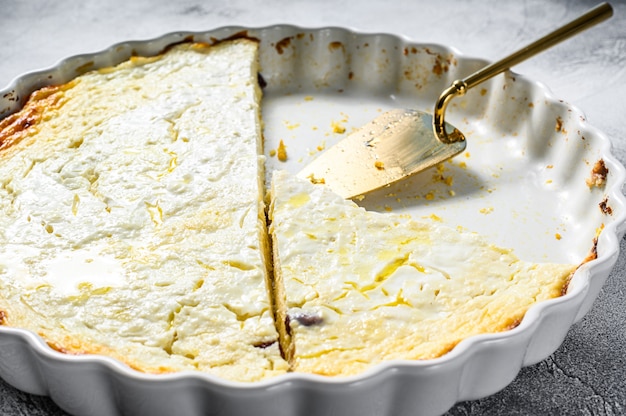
[71, 345]
[16, 127]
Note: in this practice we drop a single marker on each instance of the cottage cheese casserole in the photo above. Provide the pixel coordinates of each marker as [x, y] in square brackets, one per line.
[133, 225]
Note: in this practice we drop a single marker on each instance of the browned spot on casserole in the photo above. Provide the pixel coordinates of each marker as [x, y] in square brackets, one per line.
[70, 345]
[14, 128]
[513, 324]
[264, 344]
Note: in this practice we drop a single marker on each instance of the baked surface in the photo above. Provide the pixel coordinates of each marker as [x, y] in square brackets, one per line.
[363, 287]
[132, 220]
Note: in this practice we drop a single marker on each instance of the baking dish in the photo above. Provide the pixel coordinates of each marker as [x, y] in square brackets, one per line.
[522, 183]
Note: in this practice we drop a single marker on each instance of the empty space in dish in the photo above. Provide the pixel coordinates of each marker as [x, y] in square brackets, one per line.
[522, 181]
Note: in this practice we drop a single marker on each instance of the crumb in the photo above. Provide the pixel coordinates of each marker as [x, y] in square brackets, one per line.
[559, 124]
[338, 128]
[379, 165]
[598, 175]
[359, 197]
[558, 236]
[604, 206]
[439, 177]
[308, 98]
[438, 68]
[282, 151]
[429, 196]
[486, 210]
[272, 153]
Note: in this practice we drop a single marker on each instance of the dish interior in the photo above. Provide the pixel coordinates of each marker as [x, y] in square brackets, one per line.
[522, 180]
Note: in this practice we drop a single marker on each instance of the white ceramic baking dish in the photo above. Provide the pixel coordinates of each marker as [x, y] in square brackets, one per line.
[521, 183]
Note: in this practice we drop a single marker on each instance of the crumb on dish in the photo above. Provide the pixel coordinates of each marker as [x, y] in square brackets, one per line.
[598, 175]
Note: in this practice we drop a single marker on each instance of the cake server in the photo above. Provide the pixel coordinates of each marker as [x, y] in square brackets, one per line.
[402, 142]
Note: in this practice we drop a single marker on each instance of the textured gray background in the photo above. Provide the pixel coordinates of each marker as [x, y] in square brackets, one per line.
[587, 375]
